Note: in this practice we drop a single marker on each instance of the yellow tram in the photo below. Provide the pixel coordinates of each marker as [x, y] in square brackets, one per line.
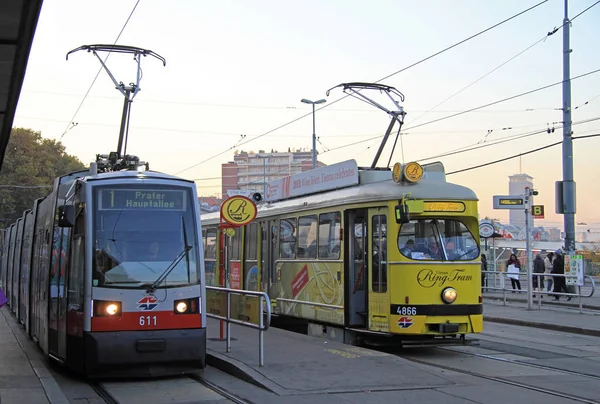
[360, 253]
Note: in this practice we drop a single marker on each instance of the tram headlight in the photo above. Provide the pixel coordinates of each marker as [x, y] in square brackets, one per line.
[449, 295]
[112, 309]
[105, 308]
[187, 306]
[181, 307]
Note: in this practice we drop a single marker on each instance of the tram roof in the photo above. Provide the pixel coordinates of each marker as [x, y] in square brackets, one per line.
[87, 176]
[374, 185]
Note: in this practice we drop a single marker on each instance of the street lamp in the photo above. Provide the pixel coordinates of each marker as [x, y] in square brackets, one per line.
[314, 136]
[264, 157]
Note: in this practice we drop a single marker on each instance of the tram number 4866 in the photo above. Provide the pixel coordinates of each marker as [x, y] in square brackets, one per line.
[147, 321]
[407, 311]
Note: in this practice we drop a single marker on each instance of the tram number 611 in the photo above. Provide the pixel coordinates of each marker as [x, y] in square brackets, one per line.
[147, 321]
[407, 311]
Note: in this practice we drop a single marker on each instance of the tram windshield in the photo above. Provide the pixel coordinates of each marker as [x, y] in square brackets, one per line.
[438, 240]
[139, 233]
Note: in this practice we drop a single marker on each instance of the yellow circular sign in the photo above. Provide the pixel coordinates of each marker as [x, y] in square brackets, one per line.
[238, 210]
[230, 232]
[397, 172]
[413, 172]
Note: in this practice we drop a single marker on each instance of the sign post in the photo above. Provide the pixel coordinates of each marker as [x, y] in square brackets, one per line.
[522, 202]
[236, 211]
[528, 220]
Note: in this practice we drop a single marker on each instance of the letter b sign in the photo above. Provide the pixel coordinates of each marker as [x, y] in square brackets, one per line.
[538, 211]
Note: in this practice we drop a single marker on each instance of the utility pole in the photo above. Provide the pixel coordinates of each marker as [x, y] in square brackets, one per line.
[568, 185]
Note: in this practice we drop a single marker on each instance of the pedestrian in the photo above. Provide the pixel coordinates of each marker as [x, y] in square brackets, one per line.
[548, 261]
[3, 299]
[558, 267]
[538, 268]
[484, 269]
[513, 267]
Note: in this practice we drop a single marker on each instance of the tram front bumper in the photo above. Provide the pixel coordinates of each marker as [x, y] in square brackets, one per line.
[144, 353]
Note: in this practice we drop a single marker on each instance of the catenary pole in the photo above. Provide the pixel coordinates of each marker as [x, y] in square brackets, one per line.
[567, 144]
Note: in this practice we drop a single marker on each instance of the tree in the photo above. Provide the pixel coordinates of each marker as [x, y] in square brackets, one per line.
[30, 161]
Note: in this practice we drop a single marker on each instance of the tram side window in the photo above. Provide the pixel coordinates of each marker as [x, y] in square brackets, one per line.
[329, 235]
[251, 241]
[379, 238]
[210, 256]
[210, 250]
[307, 237]
[287, 238]
[236, 240]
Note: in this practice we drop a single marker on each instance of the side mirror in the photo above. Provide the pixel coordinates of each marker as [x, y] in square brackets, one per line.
[66, 216]
[402, 213]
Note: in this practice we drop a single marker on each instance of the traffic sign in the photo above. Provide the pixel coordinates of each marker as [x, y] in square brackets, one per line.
[238, 210]
[486, 229]
[537, 211]
[509, 202]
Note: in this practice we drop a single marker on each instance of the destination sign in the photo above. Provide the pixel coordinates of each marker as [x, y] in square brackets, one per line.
[509, 202]
[141, 199]
[444, 207]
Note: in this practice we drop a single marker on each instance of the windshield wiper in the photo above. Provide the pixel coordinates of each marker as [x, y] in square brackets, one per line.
[168, 270]
[185, 243]
[465, 253]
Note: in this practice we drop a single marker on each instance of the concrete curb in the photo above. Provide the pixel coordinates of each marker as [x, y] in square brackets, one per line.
[547, 326]
[547, 302]
[241, 371]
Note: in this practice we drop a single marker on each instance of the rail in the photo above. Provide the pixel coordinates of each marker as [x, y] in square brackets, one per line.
[262, 323]
[540, 292]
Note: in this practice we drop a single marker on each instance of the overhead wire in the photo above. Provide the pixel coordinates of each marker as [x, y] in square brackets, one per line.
[480, 78]
[504, 99]
[380, 80]
[555, 30]
[71, 121]
[475, 108]
[501, 140]
[464, 149]
[520, 154]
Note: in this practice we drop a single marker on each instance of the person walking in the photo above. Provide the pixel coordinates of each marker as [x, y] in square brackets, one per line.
[484, 269]
[548, 262]
[513, 267]
[558, 267]
[538, 268]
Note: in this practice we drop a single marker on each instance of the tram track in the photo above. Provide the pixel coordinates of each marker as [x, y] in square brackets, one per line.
[523, 363]
[105, 394]
[218, 389]
[571, 397]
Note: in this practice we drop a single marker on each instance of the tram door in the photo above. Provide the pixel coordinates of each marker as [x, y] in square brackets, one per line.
[268, 231]
[57, 335]
[356, 265]
[378, 296]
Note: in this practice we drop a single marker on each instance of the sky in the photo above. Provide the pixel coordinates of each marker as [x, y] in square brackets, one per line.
[236, 71]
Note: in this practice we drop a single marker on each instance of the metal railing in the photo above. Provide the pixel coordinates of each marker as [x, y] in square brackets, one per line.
[263, 322]
[504, 279]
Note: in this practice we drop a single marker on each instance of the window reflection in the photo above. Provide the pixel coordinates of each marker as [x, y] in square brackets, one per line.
[437, 239]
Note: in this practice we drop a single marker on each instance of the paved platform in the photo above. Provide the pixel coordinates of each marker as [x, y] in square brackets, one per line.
[555, 318]
[298, 365]
[301, 364]
[24, 377]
